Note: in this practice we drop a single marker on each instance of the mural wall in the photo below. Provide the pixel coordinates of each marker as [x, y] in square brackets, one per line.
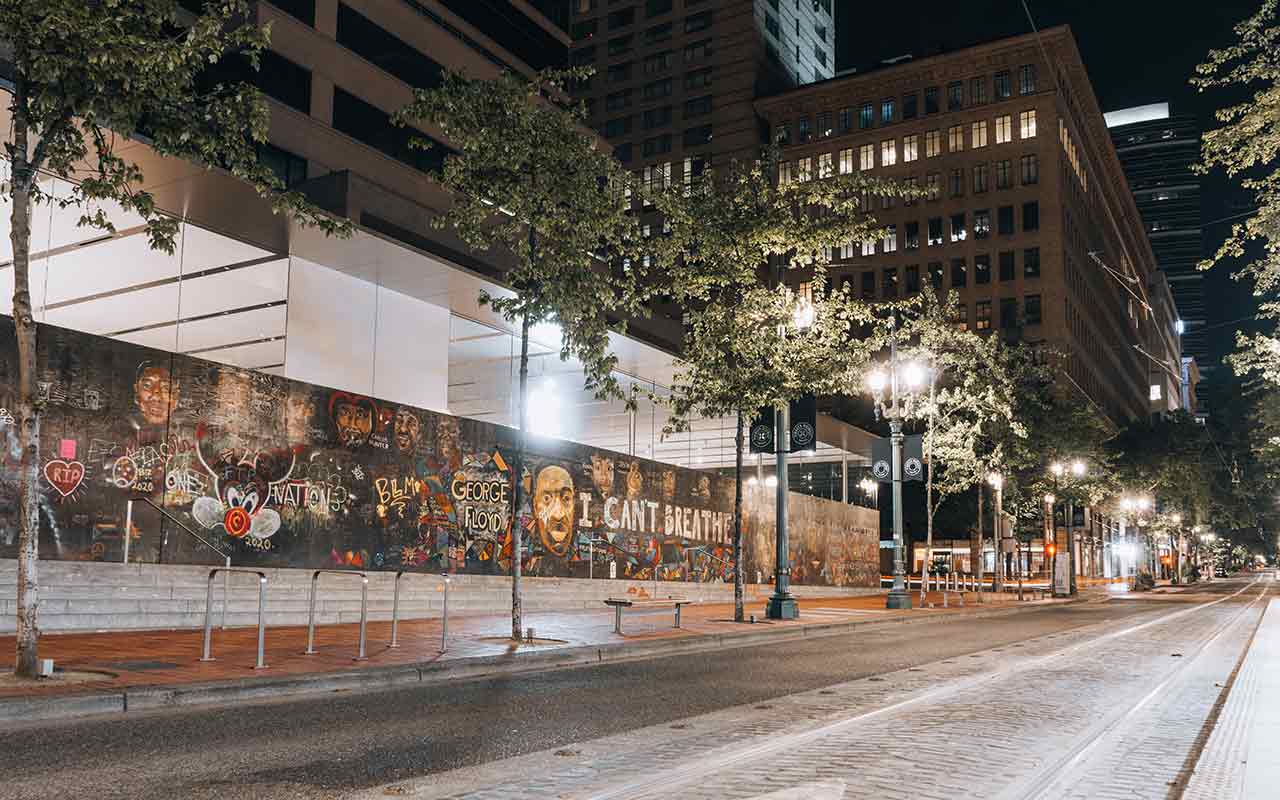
[286, 474]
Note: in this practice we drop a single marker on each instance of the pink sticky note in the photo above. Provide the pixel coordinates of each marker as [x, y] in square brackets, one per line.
[67, 449]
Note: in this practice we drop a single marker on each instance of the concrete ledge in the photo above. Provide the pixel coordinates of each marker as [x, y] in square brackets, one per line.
[248, 690]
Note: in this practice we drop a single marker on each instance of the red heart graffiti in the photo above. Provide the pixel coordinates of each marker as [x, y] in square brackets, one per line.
[65, 476]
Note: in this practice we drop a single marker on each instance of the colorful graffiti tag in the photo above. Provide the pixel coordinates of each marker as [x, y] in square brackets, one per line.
[283, 473]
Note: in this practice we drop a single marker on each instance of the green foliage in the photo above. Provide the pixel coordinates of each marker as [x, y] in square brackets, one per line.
[530, 181]
[90, 75]
[1246, 146]
[742, 349]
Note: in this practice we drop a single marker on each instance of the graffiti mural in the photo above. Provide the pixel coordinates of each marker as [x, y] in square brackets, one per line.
[283, 473]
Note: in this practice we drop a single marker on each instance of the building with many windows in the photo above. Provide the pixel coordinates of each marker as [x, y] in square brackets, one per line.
[1158, 151]
[1025, 212]
[675, 79]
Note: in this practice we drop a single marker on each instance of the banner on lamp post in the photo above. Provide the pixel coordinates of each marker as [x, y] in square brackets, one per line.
[761, 434]
[804, 423]
[912, 459]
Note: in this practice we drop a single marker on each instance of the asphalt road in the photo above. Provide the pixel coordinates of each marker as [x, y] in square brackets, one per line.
[327, 746]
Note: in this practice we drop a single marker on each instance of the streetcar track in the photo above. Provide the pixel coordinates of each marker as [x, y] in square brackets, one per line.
[691, 772]
[1048, 782]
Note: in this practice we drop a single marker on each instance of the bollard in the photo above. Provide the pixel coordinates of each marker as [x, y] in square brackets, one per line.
[128, 529]
[364, 615]
[444, 618]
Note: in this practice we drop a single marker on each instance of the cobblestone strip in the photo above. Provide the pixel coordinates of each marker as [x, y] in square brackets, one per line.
[1222, 768]
[967, 726]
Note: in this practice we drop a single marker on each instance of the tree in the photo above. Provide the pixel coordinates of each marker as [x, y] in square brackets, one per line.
[87, 76]
[743, 349]
[1247, 146]
[528, 179]
[971, 392]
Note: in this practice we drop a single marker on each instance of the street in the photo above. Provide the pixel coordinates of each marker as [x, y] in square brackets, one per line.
[1084, 700]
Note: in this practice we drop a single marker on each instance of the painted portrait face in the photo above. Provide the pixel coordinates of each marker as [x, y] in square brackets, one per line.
[553, 508]
[154, 393]
[447, 436]
[602, 474]
[668, 484]
[407, 430]
[635, 480]
[354, 422]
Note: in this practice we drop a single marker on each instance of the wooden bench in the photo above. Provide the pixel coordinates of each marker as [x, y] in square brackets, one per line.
[619, 603]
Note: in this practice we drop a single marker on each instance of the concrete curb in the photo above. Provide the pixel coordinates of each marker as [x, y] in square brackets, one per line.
[248, 690]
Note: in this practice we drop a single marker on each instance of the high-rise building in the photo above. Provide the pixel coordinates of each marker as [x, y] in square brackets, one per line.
[1157, 151]
[675, 79]
[1026, 215]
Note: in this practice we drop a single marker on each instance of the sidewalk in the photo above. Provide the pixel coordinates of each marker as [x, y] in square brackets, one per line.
[148, 669]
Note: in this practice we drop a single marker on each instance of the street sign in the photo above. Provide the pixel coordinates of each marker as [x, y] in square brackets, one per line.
[761, 435]
[804, 423]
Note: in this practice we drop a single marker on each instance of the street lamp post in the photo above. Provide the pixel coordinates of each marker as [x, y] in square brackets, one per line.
[782, 604]
[1059, 470]
[1050, 535]
[902, 382]
[997, 482]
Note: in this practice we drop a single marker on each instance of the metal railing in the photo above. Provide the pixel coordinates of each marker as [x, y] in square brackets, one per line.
[262, 610]
[364, 608]
[395, 613]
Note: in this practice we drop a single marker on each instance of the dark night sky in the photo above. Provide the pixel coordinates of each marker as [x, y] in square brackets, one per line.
[1136, 51]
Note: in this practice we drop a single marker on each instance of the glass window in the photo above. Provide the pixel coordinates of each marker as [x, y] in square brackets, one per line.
[656, 145]
[913, 278]
[981, 269]
[824, 165]
[1027, 79]
[911, 236]
[868, 283]
[617, 45]
[869, 247]
[1031, 262]
[978, 137]
[617, 127]
[932, 143]
[867, 157]
[802, 129]
[697, 51]
[658, 33]
[846, 119]
[824, 124]
[846, 161]
[977, 91]
[804, 169]
[697, 106]
[382, 48]
[980, 180]
[958, 232]
[909, 105]
[584, 29]
[1031, 216]
[1002, 85]
[960, 318]
[659, 62]
[622, 18]
[955, 95]
[981, 224]
[656, 89]
[373, 126]
[697, 22]
[1004, 220]
[931, 100]
[955, 138]
[935, 274]
[866, 116]
[912, 183]
[1006, 265]
[1004, 129]
[1030, 169]
[781, 132]
[889, 281]
[696, 137]
[1008, 312]
[982, 319]
[653, 8]
[697, 79]
[784, 173]
[933, 186]
[888, 152]
[890, 244]
[959, 273]
[1002, 174]
[957, 182]
[1027, 124]
[657, 117]
[911, 147]
[618, 73]
[935, 231]
[886, 110]
[1031, 309]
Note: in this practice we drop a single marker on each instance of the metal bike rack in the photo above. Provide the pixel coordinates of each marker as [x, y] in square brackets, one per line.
[262, 609]
[444, 619]
[364, 609]
[395, 613]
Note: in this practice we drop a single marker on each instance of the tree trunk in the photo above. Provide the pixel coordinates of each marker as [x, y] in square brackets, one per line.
[737, 524]
[928, 504]
[517, 527]
[27, 413]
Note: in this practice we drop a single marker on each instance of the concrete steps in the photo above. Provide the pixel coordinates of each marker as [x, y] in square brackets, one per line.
[93, 596]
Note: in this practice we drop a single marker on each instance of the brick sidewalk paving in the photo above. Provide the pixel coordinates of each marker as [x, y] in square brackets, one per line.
[168, 658]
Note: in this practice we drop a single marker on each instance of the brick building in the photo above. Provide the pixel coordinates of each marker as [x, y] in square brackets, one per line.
[1027, 213]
